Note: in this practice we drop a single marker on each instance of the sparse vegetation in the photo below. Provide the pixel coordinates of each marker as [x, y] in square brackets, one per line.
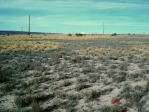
[45, 73]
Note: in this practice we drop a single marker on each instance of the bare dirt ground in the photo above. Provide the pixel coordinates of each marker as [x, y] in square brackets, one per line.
[61, 73]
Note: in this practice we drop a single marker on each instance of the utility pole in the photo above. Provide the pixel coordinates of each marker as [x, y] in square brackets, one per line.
[103, 28]
[29, 26]
[22, 30]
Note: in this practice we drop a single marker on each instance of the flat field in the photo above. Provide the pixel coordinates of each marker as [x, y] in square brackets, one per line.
[61, 73]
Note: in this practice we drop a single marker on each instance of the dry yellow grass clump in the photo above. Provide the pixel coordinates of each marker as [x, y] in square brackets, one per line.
[140, 48]
[72, 37]
[129, 49]
[26, 43]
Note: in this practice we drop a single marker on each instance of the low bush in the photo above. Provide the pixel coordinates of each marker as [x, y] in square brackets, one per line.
[5, 87]
[19, 101]
[5, 74]
[35, 107]
[22, 101]
[93, 77]
[26, 100]
[79, 87]
[88, 70]
[70, 34]
[81, 79]
[147, 87]
[113, 66]
[113, 109]
[24, 84]
[134, 76]
[65, 83]
[123, 66]
[76, 59]
[114, 34]
[111, 73]
[90, 95]
[119, 79]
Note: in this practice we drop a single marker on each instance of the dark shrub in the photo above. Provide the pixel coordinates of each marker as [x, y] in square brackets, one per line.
[5, 73]
[114, 34]
[79, 34]
[70, 34]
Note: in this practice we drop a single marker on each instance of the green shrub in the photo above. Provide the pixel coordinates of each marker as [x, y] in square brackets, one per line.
[134, 76]
[101, 68]
[80, 87]
[123, 73]
[42, 97]
[147, 87]
[88, 70]
[18, 101]
[127, 88]
[24, 84]
[138, 88]
[5, 74]
[111, 73]
[36, 107]
[80, 80]
[146, 71]
[123, 66]
[113, 66]
[113, 109]
[64, 68]
[69, 34]
[105, 109]
[90, 95]
[76, 59]
[138, 95]
[59, 94]
[106, 91]
[126, 95]
[20, 92]
[119, 79]
[93, 77]
[22, 101]
[24, 66]
[5, 87]
[66, 83]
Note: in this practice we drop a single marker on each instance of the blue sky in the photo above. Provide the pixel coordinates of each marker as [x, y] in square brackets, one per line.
[75, 16]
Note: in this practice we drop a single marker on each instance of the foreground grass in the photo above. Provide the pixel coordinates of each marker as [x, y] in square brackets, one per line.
[68, 73]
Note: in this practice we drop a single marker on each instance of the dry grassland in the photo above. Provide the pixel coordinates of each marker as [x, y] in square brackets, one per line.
[61, 73]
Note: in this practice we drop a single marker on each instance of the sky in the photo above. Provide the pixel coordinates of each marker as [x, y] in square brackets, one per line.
[76, 16]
